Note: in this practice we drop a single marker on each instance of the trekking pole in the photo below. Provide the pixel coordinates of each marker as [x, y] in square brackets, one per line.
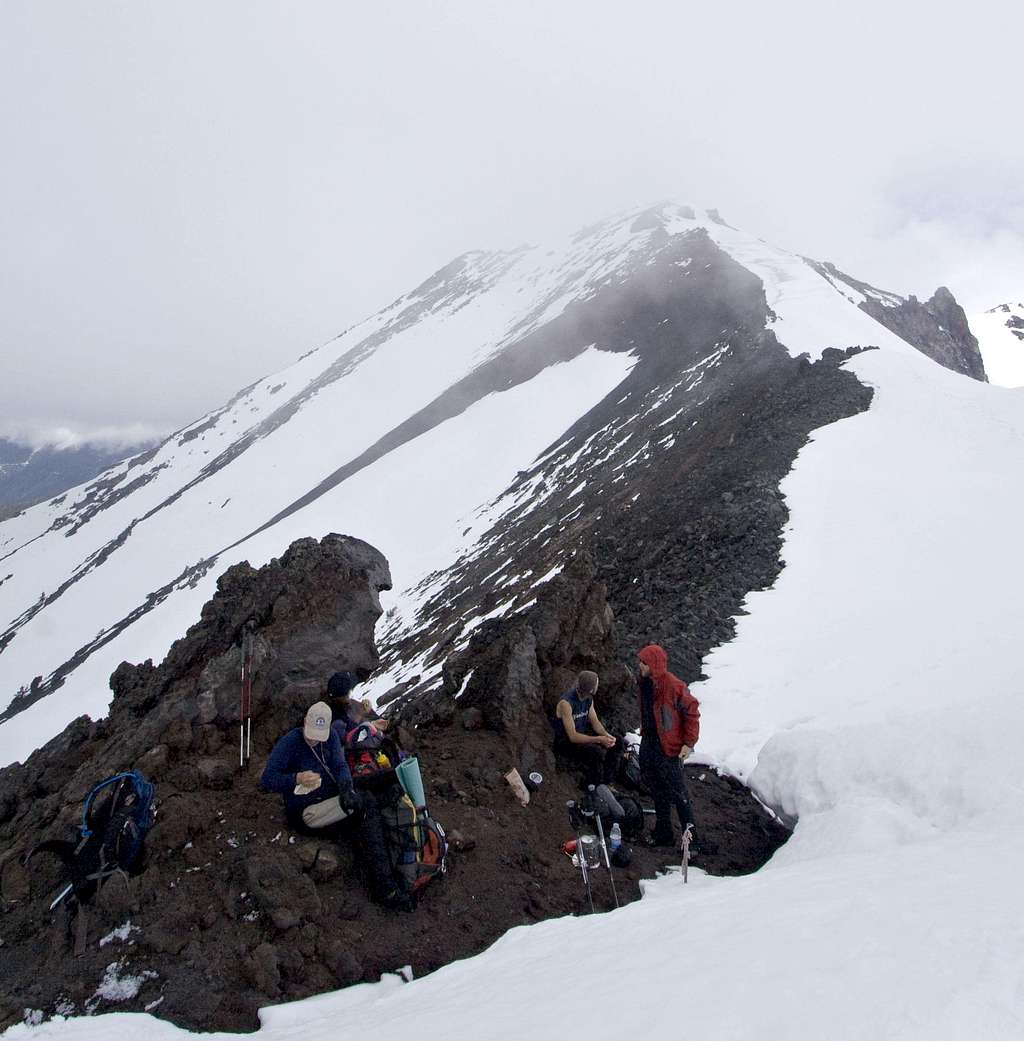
[687, 836]
[580, 856]
[241, 708]
[245, 702]
[604, 849]
[248, 692]
[586, 810]
[60, 896]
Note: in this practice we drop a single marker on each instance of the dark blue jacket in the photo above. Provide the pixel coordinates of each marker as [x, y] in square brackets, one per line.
[341, 726]
[291, 755]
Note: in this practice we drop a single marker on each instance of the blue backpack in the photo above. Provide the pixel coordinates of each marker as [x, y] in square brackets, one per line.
[116, 818]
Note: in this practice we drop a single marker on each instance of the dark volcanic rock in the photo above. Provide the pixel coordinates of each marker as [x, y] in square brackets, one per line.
[669, 485]
[220, 874]
[937, 328]
[511, 674]
[232, 912]
[705, 532]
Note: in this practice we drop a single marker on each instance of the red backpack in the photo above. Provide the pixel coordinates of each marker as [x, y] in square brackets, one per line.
[371, 756]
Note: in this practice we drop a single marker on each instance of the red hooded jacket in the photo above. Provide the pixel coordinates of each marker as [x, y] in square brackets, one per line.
[676, 710]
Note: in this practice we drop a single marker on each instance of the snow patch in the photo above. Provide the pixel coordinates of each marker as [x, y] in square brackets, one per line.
[118, 984]
[1001, 350]
[121, 933]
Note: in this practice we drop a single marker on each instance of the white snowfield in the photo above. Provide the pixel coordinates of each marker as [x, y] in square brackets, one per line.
[1002, 350]
[409, 502]
[402, 502]
[876, 692]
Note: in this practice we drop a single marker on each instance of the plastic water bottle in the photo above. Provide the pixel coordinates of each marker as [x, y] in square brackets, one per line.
[614, 837]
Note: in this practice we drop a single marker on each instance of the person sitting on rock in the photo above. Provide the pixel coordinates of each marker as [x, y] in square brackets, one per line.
[580, 735]
[307, 767]
[348, 712]
[669, 728]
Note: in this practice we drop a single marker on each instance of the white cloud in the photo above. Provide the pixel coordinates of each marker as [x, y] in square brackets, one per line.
[156, 261]
[61, 437]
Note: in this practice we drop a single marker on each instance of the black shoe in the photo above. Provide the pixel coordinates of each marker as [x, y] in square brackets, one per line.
[658, 842]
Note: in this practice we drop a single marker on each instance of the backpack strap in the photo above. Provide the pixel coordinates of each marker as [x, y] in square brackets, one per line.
[84, 830]
[60, 848]
[66, 852]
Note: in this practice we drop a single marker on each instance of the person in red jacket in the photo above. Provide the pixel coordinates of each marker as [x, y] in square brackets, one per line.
[669, 728]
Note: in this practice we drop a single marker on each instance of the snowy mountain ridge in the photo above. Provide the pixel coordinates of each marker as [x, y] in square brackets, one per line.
[116, 568]
[866, 692]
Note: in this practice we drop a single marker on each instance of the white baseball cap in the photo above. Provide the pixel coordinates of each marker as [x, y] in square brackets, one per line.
[318, 722]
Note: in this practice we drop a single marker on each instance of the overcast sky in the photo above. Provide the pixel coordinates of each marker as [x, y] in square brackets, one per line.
[196, 193]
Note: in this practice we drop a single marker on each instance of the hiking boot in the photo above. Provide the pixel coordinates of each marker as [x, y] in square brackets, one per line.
[659, 842]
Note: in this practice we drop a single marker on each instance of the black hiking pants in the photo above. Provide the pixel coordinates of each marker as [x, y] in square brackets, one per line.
[663, 776]
[599, 765]
[365, 829]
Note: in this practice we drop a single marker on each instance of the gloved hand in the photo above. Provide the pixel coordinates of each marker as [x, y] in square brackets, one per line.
[350, 800]
[685, 752]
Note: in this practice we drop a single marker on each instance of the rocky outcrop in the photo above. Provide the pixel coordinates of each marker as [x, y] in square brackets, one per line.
[231, 912]
[1015, 323]
[937, 328]
[513, 670]
[216, 869]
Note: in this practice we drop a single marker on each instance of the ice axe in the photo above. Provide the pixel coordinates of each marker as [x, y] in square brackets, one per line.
[687, 836]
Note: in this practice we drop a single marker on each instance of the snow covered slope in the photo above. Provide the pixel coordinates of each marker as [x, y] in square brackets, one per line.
[395, 431]
[1000, 333]
[875, 692]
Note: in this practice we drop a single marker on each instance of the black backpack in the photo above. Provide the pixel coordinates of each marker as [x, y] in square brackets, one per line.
[629, 770]
[116, 817]
[632, 823]
[627, 811]
[417, 846]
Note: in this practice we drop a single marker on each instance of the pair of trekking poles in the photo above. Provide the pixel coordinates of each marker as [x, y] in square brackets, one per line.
[578, 814]
[587, 813]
